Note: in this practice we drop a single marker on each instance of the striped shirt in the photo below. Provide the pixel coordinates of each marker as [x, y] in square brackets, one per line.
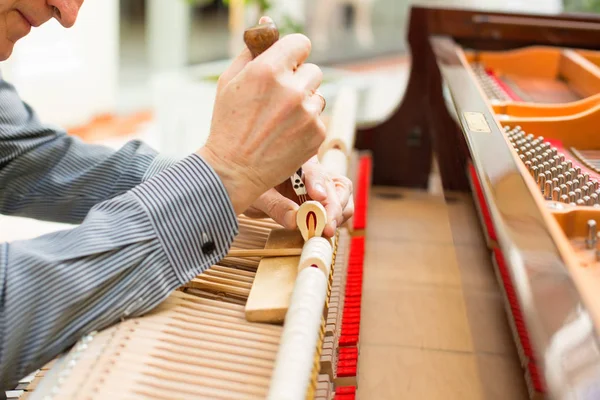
[145, 226]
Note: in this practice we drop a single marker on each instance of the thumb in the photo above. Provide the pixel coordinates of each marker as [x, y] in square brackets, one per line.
[280, 208]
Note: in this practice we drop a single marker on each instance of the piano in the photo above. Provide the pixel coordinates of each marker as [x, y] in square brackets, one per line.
[509, 106]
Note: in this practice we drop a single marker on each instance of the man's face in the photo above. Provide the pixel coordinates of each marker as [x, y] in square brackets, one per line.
[17, 17]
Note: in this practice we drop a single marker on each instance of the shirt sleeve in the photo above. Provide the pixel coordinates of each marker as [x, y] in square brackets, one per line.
[126, 257]
[49, 175]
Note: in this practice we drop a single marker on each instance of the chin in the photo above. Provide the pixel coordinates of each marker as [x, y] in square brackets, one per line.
[6, 49]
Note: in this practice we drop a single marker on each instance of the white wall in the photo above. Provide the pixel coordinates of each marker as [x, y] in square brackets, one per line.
[70, 75]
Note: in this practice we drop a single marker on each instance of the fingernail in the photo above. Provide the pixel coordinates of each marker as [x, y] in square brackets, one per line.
[265, 20]
[320, 189]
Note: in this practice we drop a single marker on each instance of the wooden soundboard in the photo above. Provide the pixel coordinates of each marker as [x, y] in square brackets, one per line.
[510, 107]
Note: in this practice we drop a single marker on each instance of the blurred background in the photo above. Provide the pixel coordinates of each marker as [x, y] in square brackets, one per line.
[147, 68]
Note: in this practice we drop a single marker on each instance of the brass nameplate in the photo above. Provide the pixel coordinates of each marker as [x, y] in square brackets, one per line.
[476, 122]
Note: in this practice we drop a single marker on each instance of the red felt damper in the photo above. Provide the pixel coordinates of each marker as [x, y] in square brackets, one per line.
[345, 390]
[362, 192]
[537, 380]
[514, 305]
[487, 220]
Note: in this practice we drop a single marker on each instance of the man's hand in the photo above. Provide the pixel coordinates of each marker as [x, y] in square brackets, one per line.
[266, 120]
[333, 191]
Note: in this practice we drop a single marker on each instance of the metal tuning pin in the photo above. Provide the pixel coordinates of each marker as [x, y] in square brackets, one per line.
[590, 240]
[572, 198]
[548, 190]
[564, 198]
[587, 200]
[563, 189]
[580, 202]
[534, 172]
[541, 181]
[556, 194]
[298, 185]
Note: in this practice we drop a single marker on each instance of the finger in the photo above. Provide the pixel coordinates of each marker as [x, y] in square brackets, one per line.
[309, 77]
[238, 64]
[265, 20]
[288, 52]
[315, 103]
[255, 213]
[314, 179]
[343, 188]
[281, 209]
[348, 210]
[333, 209]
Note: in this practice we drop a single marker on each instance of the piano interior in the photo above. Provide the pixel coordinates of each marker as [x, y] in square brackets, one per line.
[505, 109]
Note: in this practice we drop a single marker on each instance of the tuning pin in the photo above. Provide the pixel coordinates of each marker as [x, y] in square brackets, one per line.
[555, 182]
[569, 185]
[556, 194]
[564, 198]
[586, 190]
[561, 157]
[578, 194]
[556, 160]
[522, 157]
[547, 166]
[586, 178]
[563, 189]
[545, 155]
[578, 170]
[548, 175]
[541, 181]
[528, 155]
[587, 200]
[561, 179]
[528, 165]
[548, 189]
[580, 202]
[590, 240]
[567, 175]
[534, 172]
[575, 183]
[554, 172]
[572, 198]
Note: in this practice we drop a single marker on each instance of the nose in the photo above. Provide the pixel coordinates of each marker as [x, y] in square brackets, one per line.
[65, 11]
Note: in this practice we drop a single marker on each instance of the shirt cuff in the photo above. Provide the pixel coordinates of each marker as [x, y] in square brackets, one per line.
[159, 164]
[192, 215]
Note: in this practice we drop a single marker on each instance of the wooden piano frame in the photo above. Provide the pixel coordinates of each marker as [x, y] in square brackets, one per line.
[527, 239]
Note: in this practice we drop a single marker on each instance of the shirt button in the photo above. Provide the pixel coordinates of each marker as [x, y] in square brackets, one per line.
[208, 247]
